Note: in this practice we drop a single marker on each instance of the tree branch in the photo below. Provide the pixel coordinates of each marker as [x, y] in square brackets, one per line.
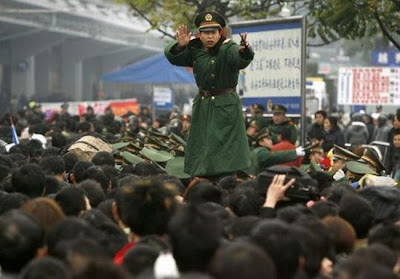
[152, 23]
[323, 44]
[385, 31]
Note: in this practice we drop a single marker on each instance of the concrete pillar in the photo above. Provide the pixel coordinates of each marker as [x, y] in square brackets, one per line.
[42, 74]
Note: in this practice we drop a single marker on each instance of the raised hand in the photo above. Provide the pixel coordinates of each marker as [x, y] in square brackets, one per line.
[182, 36]
[276, 190]
[243, 43]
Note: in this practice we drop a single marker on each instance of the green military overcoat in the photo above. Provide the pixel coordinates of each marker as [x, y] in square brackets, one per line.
[217, 141]
[263, 158]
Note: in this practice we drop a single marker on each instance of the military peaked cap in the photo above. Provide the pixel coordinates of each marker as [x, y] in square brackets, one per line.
[279, 109]
[371, 157]
[344, 154]
[359, 168]
[315, 148]
[208, 21]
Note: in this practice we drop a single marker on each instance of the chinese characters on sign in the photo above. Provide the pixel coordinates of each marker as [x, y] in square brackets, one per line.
[276, 68]
[389, 58]
[369, 86]
[275, 76]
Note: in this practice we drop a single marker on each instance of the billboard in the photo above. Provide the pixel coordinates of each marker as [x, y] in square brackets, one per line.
[369, 86]
[118, 106]
[277, 73]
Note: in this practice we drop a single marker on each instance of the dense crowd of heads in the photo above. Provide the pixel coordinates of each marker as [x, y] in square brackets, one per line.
[64, 217]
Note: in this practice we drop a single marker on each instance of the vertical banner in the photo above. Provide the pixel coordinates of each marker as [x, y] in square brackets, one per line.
[276, 75]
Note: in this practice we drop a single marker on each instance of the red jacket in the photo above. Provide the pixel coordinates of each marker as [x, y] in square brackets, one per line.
[287, 145]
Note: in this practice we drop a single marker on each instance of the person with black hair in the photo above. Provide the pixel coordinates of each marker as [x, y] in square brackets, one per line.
[310, 250]
[80, 171]
[386, 233]
[18, 159]
[58, 140]
[203, 191]
[195, 236]
[276, 239]
[50, 151]
[96, 173]
[70, 159]
[112, 175]
[103, 158]
[240, 260]
[100, 270]
[318, 125]
[29, 180]
[44, 268]
[110, 236]
[392, 160]
[10, 201]
[72, 200]
[291, 213]
[35, 149]
[333, 134]
[53, 165]
[93, 192]
[138, 203]
[6, 161]
[244, 202]
[52, 185]
[325, 208]
[84, 128]
[375, 260]
[20, 240]
[242, 226]
[144, 169]
[106, 207]
[67, 229]
[359, 213]
[140, 259]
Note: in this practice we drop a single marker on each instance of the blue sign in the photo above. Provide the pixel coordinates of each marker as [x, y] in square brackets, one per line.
[390, 58]
[163, 98]
[293, 104]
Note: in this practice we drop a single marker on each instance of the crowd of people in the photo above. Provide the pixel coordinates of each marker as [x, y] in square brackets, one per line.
[211, 195]
[80, 213]
[380, 132]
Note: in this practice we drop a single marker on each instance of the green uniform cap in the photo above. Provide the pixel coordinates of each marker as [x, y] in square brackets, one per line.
[279, 109]
[359, 168]
[131, 158]
[208, 21]
[344, 154]
[119, 145]
[314, 148]
[258, 108]
[371, 157]
[154, 155]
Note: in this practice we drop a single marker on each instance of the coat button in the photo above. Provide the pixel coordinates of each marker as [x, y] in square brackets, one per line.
[212, 61]
[212, 75]
[202, 98]
[213, 98]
